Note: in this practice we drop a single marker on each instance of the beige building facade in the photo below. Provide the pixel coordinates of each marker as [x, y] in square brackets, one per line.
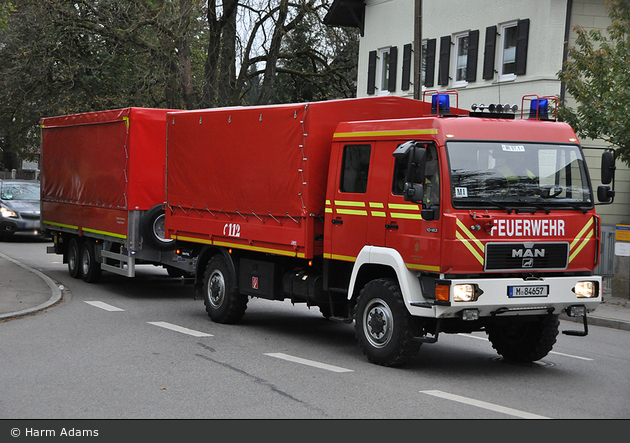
[488, 52]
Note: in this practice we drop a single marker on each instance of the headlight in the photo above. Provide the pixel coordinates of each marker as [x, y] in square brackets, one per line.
[6, 213]
[585, 289]
[464, 292]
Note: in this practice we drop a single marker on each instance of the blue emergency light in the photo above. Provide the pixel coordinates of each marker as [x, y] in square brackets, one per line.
[445, 106]
[539, 108]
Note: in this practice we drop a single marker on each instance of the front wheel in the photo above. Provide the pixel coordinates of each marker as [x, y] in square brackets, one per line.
[384, 329]
[524, 339]
[224, 304]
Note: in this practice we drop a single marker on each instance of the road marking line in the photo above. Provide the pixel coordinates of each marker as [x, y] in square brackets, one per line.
[303, 361]
[172, 327]
[105, 306]
[551, 352]
[572, 356]
[484, 405]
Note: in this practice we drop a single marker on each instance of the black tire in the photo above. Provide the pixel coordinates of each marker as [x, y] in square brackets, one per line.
[74, 258]
[153, 230]
[90, 267]
[384, 329]
[224, 303]
[524, 339]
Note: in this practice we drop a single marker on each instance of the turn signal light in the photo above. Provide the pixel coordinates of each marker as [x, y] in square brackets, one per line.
[442, 292]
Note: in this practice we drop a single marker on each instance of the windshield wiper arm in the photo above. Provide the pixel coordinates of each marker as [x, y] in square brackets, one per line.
[536, 205]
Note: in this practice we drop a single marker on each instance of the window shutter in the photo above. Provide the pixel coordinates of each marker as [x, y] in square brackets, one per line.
[393, 61]
[406, 67]
[430, 63]
[445, 56]
[522, 34]
[371, 80]
[473, 49]
[488, 55]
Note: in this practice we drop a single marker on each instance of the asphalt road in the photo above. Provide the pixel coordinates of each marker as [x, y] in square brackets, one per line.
[144, 348]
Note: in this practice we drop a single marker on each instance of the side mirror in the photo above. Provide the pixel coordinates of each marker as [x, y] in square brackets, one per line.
[413, 192]
[605, 194]
[608, 168]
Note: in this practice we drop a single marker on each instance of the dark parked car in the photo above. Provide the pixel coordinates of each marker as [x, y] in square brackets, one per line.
[19, 207]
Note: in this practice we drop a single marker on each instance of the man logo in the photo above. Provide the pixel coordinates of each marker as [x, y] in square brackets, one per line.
[528, 263]
[525, 253]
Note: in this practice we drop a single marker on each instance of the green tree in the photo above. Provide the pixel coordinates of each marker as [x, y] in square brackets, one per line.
[597, 75]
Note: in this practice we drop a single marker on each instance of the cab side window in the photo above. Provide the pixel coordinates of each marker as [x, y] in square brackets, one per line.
[355, 168]
[431, 198]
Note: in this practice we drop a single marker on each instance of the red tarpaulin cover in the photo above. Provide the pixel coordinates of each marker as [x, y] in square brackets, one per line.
[259, 162]
[107, 159]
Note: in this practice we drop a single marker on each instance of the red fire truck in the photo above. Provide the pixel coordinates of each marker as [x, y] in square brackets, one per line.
[407, 217]
[102, 192]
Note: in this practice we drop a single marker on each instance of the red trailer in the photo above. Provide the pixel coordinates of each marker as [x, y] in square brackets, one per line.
[102, 190]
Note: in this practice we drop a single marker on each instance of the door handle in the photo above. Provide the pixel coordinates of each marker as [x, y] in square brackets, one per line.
[337, 221]
[391, 226]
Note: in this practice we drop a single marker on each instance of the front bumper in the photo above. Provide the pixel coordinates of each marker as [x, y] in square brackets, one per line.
[495, 300]
[11, 225]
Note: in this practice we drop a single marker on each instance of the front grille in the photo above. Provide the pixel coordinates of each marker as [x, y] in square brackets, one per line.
[526, 256]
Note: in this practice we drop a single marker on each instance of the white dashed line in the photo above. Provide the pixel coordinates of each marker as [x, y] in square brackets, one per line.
[303, 361]
[484, 405]
[105, 306]
[172, 327]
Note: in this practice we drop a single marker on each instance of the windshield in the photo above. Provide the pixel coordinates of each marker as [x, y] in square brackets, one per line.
[20, 191]
[508, 174]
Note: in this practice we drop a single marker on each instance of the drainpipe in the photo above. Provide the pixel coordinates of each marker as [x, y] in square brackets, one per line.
[417, 49]
[567, 34]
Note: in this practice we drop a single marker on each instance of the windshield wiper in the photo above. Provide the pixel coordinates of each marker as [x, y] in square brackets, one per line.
[536, 205]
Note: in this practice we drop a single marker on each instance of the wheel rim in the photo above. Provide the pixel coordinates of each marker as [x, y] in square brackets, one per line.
[85, 262]
[216, 289]
[159, 229]
[72, 257]
[378, 323]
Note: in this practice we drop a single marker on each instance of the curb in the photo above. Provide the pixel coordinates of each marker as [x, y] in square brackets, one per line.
[54, 298]
[599, 321]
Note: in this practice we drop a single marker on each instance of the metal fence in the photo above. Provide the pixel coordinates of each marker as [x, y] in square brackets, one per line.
[22, 174]
[606, 266]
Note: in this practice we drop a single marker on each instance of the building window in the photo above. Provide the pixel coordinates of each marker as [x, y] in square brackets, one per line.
[461, 59]
[507, 52]
[384, 58]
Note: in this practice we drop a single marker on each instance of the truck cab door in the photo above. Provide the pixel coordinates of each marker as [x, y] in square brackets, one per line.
[417, 239]
[347, 202]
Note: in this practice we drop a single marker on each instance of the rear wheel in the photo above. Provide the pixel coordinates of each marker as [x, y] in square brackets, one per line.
[385, 330]
[524, 339]
[74, 258]
[224, 304]
[90, 267]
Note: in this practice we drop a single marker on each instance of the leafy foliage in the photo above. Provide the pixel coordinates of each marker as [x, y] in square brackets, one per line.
[68, 56]
[597, 75]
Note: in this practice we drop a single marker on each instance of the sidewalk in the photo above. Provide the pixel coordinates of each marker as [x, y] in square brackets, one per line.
[24, 290]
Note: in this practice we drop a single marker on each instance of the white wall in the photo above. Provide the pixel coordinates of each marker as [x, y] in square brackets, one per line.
[391, 23]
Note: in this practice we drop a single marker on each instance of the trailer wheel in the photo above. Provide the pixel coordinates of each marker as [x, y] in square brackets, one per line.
[154, 231]
[384, 329]
[224, 304]
[90, 267]
[524, 339]
[74, 258]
